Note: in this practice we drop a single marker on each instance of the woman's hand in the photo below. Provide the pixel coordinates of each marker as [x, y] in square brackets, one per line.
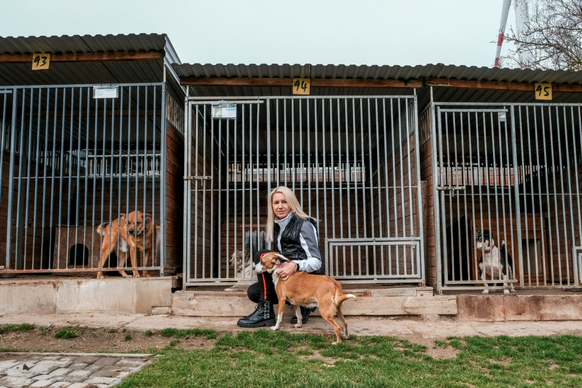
[286, 270]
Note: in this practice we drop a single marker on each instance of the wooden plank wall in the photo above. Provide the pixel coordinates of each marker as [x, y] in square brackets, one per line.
[430, 259]
[174, 200]
[114, 198]
[551, 215]
[33, 237]
[336, 219]
[93, 202]
[87, 207]
[425, 155]
[204, 208]
[400, 204]
[563, 229]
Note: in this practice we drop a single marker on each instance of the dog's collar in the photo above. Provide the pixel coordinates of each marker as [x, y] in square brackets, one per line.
[492, 246]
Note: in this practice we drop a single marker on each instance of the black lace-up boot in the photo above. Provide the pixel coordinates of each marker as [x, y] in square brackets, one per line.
[305, 313]
[262, 316]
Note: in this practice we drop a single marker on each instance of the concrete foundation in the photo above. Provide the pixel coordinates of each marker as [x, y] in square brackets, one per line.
[408, 301]
[75, 295]
[519, 307]
[153, 296]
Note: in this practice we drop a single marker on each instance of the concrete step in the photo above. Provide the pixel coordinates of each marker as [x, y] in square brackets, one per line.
[50, 295]
[369, 302]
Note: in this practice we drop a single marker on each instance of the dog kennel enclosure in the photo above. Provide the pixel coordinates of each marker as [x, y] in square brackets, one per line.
[77, 156]
[74, 162]
[512, 169]
[350, 160]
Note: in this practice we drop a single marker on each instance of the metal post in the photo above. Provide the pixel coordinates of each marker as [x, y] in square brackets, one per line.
[516, 186]
[163, 173]
[436, 207]
[11, 177]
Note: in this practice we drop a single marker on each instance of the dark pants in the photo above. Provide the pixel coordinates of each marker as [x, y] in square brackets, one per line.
[264, 289]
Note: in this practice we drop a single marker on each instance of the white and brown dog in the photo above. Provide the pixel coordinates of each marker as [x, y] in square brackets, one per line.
[303, 289]
[133, 233]
[495, 262]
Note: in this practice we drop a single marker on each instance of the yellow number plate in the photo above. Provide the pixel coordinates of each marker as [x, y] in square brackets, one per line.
[301, 86]
[41, 61]
[543, 91]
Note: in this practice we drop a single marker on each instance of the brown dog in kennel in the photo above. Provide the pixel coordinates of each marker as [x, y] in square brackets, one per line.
[132, 233]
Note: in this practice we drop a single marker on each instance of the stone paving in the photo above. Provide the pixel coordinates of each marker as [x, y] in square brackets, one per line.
[71, 370]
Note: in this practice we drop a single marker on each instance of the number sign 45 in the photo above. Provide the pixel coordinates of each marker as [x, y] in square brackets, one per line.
[301, 86]
[41, 61]
[543, 91]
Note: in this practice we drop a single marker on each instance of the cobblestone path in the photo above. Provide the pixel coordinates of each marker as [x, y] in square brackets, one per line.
[78, 370]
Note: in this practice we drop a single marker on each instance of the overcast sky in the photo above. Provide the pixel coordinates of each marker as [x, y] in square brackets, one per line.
[370, 32]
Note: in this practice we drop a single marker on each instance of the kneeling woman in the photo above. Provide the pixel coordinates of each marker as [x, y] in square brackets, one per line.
[295, 236]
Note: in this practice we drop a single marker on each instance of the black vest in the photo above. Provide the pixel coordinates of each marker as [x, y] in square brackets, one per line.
[291, 243]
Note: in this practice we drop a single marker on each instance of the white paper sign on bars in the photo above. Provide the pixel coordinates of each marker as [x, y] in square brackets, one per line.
[105, 91]
[224, 111]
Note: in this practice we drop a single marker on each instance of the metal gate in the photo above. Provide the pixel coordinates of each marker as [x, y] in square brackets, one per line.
[351, 161]
[71, 161]
[512, 169]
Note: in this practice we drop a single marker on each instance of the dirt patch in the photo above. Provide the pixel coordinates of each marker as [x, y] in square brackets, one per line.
[440, 353]
[94, 340]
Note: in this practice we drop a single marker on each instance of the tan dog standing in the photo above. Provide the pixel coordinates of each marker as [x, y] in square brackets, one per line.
[303, 289]
[134, 232]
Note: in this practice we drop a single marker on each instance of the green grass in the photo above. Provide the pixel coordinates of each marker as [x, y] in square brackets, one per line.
[67, 333]
[11, 350]
[181, 333]
[263, 358]
[15, 328]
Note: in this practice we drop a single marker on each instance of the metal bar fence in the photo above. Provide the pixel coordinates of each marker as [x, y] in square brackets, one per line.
[72, 162]
[351, 162]
[512, 170]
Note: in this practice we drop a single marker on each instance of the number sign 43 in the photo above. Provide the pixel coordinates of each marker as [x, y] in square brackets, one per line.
[301, 86]
[41, 61]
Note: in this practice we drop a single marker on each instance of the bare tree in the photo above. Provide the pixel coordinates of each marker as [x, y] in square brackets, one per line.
[550, 39]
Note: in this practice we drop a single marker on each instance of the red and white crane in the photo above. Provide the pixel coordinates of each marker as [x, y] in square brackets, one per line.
[521, 8]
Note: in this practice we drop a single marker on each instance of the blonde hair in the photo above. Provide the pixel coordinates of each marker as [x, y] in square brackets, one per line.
[293, 205]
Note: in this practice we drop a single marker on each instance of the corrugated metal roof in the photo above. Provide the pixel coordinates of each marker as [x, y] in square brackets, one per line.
[421, 72]
[82, 44]
[377, 72]
[86, 72]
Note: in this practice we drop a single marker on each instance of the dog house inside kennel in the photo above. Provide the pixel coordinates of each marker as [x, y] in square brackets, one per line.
[74, 158]
[351, 161]
[513, 170]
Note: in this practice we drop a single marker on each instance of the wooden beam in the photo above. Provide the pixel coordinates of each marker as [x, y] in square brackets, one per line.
[365, 83]
[288, 82]
[499, 85]
[88, 57]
